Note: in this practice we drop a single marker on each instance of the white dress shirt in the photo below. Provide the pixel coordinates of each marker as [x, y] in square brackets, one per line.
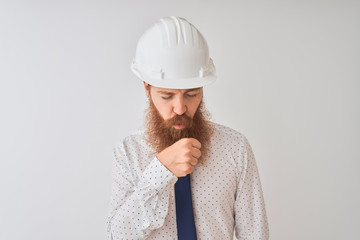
[226, 191]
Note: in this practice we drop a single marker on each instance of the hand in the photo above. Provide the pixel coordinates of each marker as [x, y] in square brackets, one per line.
[181, 157]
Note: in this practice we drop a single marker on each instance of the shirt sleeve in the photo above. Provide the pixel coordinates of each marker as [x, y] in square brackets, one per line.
[250, 215]
[140, 204]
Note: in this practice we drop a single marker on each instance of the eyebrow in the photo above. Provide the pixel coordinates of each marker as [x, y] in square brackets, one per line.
[171, 93]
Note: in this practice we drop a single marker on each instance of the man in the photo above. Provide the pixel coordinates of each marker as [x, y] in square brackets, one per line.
[183, 177]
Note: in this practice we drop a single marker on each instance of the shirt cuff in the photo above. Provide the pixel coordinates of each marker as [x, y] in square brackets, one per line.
[158, 176]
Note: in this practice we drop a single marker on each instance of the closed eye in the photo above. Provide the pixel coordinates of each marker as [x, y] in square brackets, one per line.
[191, 95]
[166, 98]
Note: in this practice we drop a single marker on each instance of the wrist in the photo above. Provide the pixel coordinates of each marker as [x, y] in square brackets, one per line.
[163, 161]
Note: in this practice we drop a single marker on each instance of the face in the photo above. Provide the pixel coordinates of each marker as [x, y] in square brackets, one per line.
[172, 102]
[175, 114]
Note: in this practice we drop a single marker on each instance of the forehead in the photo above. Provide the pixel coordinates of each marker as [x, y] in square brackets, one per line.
[174, 91]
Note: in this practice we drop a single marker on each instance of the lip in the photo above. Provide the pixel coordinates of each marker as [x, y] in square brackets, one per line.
[179, 126]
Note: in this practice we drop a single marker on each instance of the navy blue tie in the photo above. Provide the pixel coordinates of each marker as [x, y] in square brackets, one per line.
[184, 210]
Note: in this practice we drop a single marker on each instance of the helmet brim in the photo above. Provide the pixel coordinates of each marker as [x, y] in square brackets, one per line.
[178, 83]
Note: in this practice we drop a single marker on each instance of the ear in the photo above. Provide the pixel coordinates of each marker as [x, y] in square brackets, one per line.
[147, 89]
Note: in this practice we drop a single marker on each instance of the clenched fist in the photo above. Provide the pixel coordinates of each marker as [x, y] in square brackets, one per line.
[181, 157]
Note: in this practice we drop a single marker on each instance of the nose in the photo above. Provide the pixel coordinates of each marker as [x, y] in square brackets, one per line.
[179, 106]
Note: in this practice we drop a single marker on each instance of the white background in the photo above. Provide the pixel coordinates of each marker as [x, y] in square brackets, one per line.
[288, 78]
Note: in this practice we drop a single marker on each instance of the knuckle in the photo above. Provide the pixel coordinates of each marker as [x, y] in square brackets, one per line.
[185, 160]
[184, 142]
[188, 141]
[188, 168]
[187, 152]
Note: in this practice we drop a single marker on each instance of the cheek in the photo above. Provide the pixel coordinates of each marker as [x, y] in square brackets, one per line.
[193, 107]
[163, 109]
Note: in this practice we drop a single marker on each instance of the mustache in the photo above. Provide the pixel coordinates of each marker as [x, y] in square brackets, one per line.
[179, 119]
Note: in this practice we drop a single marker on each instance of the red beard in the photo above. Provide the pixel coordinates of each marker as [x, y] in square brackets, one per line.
[162, 134]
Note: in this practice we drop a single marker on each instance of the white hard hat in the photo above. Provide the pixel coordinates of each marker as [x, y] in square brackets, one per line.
[173, 54]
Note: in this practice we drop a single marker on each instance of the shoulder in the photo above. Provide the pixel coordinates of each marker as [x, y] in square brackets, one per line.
[229, 138]
[222, 131]
[133, 151]
[228, 142]
[132, 141]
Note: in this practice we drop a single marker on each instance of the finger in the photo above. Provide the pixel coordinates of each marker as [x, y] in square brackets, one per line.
[195, 152]
[193, 161]
[185, 169]
[195, 143]
[189, 169]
